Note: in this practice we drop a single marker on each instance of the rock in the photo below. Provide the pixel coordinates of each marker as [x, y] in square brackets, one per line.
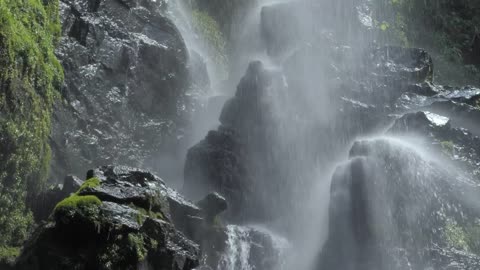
[71, 183]
[455, 144]
[127, 73]
[47, 200]
[411, 64]
[219, 163]
[212, 205]
[119, 219]
[399, 203]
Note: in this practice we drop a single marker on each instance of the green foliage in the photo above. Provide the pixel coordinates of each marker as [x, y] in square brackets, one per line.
[446, 28]
[143, 213]
[29, 77]
[455, 236]
[90, 183]
[207, 28]
[8, 254]
[448, 147]
[137, 244]
[76, 201]
[465, 237]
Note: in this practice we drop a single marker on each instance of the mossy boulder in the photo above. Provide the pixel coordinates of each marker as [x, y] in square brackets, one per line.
[120, 218]
[30, 76]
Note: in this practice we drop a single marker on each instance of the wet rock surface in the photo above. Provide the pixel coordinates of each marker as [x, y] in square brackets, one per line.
[120, 218]
[127, 218]
[406, 210]
[126, 76]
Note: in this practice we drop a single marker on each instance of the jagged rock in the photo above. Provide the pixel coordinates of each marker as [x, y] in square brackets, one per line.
[212, 205]
[126, 77]
[404, 208]
[119, 219]
[71, 183]
[219, 163]
[47, 200]
[411, 65]
[455, 144]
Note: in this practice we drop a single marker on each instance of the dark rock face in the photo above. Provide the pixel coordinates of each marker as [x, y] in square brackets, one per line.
[134, 222]
[212, 205]
[219, 163]
[130, 226]
[393, 209]
[47, 200]
[126, 77]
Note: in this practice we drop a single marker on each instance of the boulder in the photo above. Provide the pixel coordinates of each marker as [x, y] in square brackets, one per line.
[219, 163]
[455, 145]
[119, 218]
[212, 205]
[391, 208]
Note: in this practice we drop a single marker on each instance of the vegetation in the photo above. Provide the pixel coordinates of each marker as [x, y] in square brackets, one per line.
[455, 236]
[446, 28]
[206, 27]
[448, 147]
[90, 183]
[143, 214]
[466, 238]
[8, 254]
[137, 243]
[29, 77]
[75, 201]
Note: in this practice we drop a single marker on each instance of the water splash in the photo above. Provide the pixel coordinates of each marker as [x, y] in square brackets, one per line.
[250, 248]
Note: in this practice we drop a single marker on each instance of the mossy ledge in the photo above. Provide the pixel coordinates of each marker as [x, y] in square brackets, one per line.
[30, 75]
[76, 201]
[90, 183]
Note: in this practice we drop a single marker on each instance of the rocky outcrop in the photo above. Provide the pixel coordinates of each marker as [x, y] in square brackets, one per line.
[120, 218]
[126, 218]
[222, 161]
[408, 212]
[126, 77]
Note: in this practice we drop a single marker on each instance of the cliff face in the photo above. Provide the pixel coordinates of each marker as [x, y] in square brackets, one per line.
[126, 78]
[29, 77]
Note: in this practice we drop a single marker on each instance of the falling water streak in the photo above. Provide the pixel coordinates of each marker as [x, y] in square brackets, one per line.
[238, 250]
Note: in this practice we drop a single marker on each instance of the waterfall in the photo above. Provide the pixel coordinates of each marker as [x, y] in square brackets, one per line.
[240, 249]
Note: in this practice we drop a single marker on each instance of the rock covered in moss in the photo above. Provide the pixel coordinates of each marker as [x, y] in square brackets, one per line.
[120, 218]
[30, 76]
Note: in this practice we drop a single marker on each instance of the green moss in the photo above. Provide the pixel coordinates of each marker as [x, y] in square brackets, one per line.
[90, 183]
[144, 213]
[76, 201]
[29, 77]
[207, 28]
[455, 236]
[445, 28]
[8, 254]
[448, 147]
[137, 244]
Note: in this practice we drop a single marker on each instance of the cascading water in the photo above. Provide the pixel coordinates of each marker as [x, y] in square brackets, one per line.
[240, 244]
[322, 85]
[238, 250]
